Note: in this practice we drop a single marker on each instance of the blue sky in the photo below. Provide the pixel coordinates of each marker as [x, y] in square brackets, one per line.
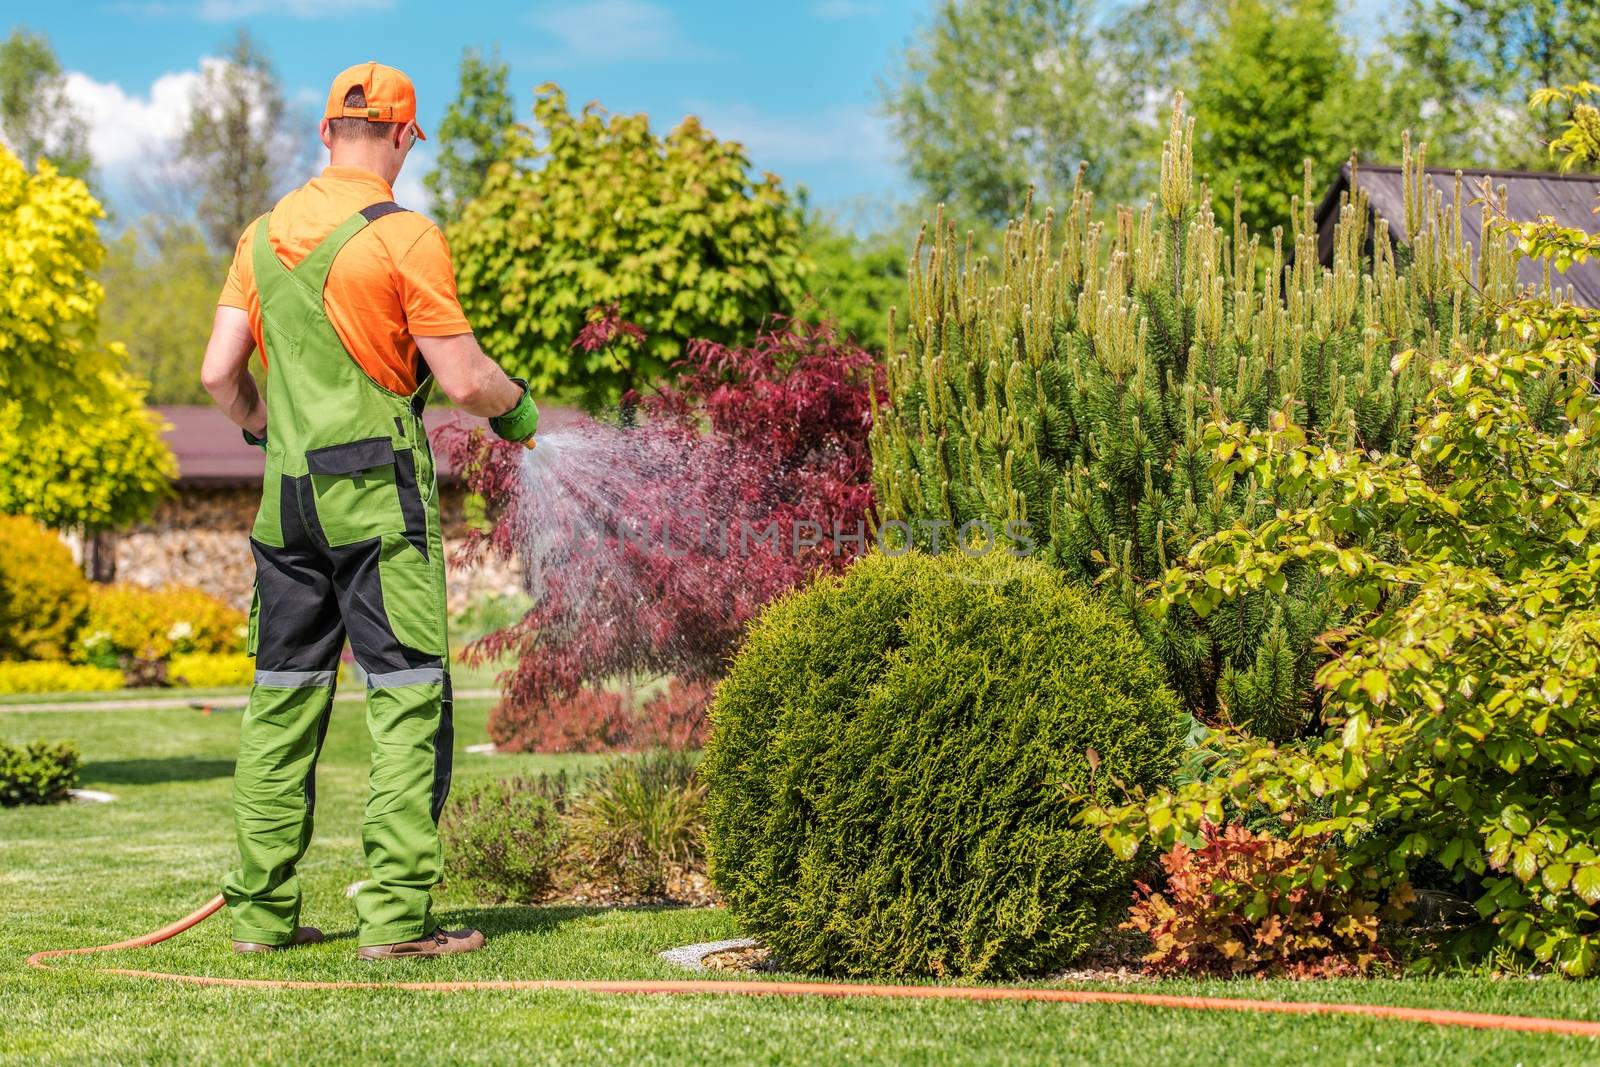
[796, 81]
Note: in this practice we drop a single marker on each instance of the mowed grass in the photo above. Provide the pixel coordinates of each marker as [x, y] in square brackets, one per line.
[83, 874]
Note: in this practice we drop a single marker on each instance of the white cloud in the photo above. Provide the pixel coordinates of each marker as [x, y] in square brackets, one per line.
[844, 9]
[124, 127]
[596, 32]
[838, 135]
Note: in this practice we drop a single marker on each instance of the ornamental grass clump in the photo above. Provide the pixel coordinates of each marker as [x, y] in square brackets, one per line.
[890, 758]
[639, 821]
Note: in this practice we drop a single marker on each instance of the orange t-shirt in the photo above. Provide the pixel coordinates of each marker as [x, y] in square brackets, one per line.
[390, 283]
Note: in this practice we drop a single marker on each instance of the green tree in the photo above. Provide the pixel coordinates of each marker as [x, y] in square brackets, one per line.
[854, 281]
[472, 136]
[998, 95]
[238, 147]
[36, 117]
[161, 280]
[1277, 84]
[80, 448]
[96, 464]
[49, 299]
[1577, 143]
[1481, 59]
[595, 209]
[1070, 393]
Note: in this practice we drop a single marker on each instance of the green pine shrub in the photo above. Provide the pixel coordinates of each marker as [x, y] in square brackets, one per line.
[44, 597]
[1068, 387]
[639, 820]
[891, 757]
[1463, 708]
[37, 773]
[504, 839]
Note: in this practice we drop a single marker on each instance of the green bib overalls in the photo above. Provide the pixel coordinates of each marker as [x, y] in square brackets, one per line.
[347, 544]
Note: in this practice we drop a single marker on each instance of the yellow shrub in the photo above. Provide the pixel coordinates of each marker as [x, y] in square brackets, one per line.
[43, 676]
[155, 624]
[211, 670]
[97, 461]
[43, 595]
[49, 298]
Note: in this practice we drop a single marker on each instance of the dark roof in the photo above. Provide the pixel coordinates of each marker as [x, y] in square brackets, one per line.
[211, 452]
[1568, 198]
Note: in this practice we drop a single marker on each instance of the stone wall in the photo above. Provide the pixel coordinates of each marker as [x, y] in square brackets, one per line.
[202, 538]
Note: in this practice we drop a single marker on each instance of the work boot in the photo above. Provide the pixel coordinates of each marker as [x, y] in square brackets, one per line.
[438, 943]
[305, 935]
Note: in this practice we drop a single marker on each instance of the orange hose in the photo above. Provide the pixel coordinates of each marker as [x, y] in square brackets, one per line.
[1433, 1016]
[154, 937]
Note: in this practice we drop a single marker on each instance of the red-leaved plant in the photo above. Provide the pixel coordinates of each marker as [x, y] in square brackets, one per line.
[605, 720]
[1233, 907]
[649, 547]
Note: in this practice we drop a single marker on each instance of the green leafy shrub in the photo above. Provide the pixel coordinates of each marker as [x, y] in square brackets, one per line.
[594, 209]
[48, 676]
[44, 598]
[130, 624]
[639, 820]
[1463, 707]
[889, 758]
[211, 670]
[503, 839]
[37, 773]
[1069, 390]
[1233, 907]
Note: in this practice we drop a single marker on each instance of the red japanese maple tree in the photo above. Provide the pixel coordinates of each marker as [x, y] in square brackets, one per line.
[648, 547]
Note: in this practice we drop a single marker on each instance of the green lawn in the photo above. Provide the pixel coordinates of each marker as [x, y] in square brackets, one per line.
[83, 874]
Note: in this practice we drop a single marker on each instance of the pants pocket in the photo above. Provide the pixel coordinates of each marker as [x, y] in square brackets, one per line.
[413, 596]
[357, 495]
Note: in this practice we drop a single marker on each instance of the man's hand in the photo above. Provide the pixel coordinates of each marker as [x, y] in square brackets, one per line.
[226, 371]
[475, 383]
[521, 421]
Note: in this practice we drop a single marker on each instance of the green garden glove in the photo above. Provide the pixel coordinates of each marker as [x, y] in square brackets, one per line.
[518, 424]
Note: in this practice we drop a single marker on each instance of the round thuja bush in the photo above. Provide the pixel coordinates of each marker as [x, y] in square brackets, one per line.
[897, 755]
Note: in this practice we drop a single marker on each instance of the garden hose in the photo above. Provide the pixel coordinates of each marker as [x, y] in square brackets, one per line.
[1434, 1016]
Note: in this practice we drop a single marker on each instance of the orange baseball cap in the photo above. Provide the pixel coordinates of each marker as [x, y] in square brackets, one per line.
[390, 95]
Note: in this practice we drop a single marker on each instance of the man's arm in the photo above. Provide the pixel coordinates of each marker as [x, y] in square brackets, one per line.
[226, 370]
[473, 382]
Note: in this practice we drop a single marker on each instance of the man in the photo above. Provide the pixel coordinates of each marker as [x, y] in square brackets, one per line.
[341, 291]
